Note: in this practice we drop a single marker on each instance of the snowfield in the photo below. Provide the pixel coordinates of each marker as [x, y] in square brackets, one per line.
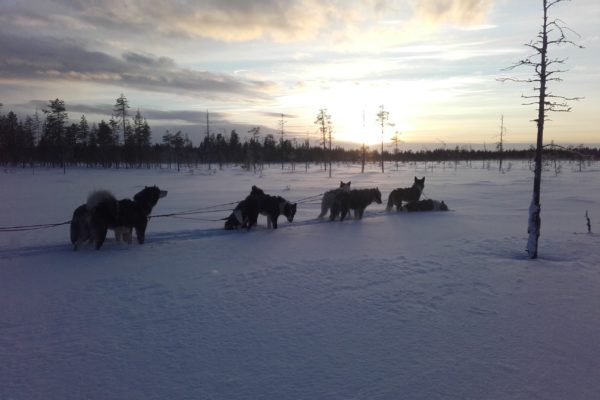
[439, 305]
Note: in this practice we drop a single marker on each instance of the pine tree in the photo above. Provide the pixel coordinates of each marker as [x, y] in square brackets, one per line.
[54, 130]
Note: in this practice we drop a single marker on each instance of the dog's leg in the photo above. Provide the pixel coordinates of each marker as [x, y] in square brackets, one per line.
[390, 203]
[252, 219]
[140, 231]
[100, 236]
[128, 236]
[324, 209]
[238, 215]
[75, 236]
[274, 222]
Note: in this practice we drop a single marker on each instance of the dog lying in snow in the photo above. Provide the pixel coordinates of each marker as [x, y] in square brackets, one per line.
[426, 205]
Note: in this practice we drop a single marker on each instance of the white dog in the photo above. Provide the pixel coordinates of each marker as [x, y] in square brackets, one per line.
[329, 197]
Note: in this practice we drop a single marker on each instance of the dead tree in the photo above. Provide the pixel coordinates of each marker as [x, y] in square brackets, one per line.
[553, 33]
[500, 144]
[323, 121]
[329, 137]
[363, 148]
[382, 117]
[396, 140]
[282, 148]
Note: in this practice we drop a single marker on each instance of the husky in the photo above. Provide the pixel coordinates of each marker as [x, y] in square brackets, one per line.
[103, 211]
[245, 214]
[329, 197]
[274, 206]
[356, 200]
[426, 205]
[133, 214]
[245, 210]
[408, 195]
[101, 204]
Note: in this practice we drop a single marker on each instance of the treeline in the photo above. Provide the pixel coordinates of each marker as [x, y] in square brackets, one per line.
[125, 141]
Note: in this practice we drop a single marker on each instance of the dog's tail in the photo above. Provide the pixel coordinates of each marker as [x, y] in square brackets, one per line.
[104, 211]
[99, 196]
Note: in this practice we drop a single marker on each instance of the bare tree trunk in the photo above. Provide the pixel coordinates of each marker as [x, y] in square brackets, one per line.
[364, 157]
[535, 220]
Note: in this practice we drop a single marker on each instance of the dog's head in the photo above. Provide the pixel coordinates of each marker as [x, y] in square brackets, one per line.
[289, 210]
[443, 206]
[256, 191]
[377, 195]
[345, 187]
[419, 183]
[232, 222]
[150, 195]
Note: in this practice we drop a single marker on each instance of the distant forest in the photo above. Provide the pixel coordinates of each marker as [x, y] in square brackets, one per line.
[125, 141]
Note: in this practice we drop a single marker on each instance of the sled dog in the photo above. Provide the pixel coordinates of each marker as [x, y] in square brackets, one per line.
[244, 210]
[245, 214]
[408, 195]
[356, 200]
[426, 205]
[103, 211]
[274, 206]
[329, 197]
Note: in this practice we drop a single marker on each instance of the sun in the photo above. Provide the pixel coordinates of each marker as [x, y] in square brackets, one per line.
[353, 109]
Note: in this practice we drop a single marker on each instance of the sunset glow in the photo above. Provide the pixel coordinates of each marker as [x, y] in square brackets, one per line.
[433, 64]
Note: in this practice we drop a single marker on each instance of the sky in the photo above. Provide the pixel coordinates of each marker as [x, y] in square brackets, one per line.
[434, 65]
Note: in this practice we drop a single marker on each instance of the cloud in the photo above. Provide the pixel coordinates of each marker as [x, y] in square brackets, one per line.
[458, 12]
[278, 115]
[223, 20]
[52, 59]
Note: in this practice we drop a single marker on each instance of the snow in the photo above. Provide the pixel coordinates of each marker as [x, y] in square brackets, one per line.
[439, 305]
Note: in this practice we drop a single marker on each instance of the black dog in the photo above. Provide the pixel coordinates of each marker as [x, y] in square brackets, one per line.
[134, 214]
[103, 206]
[426, 205]
[102, 211]
[273, 207]
[246, 210]
[408, 195]
[245, 214]
[356, 200]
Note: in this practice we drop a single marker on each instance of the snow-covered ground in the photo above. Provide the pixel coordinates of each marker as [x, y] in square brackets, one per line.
[441, 305]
